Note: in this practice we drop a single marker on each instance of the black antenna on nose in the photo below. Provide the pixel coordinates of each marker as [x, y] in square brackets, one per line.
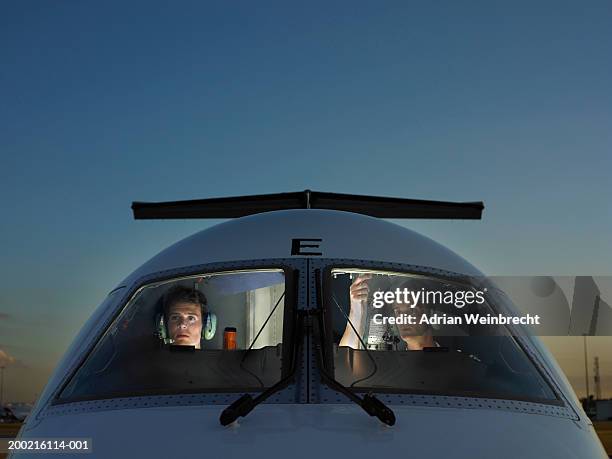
[375, 206]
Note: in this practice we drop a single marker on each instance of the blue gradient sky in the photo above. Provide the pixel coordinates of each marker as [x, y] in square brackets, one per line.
[106, 103]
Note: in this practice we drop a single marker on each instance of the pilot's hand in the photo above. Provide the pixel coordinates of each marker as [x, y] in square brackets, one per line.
[355, 327]
[359, 292]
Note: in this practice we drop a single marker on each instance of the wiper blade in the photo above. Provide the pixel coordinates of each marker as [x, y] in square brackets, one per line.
[369, 403]
[245, 404]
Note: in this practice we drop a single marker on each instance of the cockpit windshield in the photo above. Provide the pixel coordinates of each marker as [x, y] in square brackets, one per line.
[213, 332]
[412, 333]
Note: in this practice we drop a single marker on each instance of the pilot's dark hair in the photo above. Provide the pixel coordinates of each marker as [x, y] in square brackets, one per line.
[182, 294]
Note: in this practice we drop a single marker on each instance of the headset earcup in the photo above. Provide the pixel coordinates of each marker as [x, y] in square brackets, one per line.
[209, 326]
[161, 327]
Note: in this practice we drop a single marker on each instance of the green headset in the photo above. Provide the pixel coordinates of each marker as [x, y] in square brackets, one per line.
[209, 320]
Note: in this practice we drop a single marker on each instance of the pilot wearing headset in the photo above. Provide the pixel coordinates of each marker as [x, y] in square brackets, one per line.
[416, 337]
[185, 320]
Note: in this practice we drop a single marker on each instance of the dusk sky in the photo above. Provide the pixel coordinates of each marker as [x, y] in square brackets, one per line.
[105, 103]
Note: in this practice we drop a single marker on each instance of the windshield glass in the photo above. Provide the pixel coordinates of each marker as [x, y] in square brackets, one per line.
[216, 332]
[417, 334]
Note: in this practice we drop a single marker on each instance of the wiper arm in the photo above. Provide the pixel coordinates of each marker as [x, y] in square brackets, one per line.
[245, 404]
[369, 403]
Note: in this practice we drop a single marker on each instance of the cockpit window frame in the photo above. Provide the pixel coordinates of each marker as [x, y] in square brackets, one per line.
[430, 273]
[291, 271]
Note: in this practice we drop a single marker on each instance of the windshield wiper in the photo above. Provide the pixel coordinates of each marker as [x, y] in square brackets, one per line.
[245, 404]
[369, 403]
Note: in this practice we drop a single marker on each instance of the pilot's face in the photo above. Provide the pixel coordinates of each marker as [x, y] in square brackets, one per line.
[185, 324]
[408, 330]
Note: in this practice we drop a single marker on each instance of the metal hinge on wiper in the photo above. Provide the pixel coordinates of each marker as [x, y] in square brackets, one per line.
[369, 403]
[245, 404]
